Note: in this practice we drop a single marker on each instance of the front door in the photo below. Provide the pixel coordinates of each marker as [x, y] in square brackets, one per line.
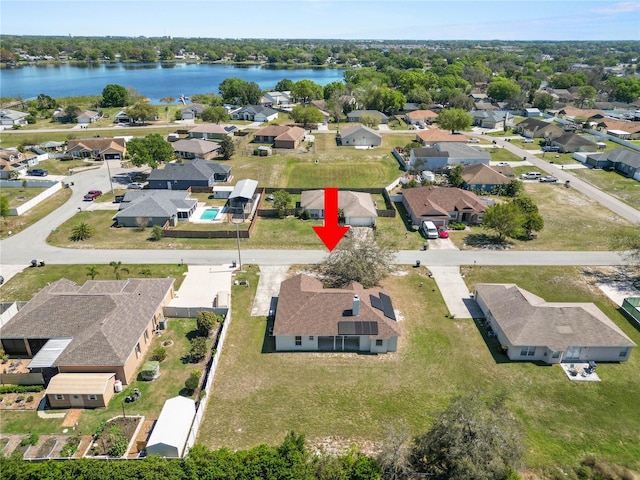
[76, 400]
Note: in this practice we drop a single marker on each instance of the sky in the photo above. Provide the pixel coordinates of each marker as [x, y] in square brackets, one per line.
[328, 19]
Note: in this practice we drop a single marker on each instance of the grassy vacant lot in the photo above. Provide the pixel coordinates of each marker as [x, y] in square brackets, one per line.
[173, 373]
[503, 155]
[61, 167]
[259, 395]
[20, 195]
[19, 223]
[572, 222]
[624, 188]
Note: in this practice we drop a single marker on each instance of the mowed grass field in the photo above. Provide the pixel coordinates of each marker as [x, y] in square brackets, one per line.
[351, 399]
[623, 188]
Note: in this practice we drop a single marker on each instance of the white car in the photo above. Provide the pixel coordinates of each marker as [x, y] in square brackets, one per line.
[473, 140]
[135, 186]
[503, 164]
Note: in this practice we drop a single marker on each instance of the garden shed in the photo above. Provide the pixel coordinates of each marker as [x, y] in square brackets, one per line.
[171, 431]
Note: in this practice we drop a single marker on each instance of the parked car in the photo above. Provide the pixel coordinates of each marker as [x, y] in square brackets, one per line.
[550, 148]
[503, 164]
[548, 178]
[527, 140]
[38, 172]
[92, 195]
[442, 233]
[473, 140]
[135, 185]
[531, 176]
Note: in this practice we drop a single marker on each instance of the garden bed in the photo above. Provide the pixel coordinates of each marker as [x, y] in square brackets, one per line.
[113, 437]
[43, 448]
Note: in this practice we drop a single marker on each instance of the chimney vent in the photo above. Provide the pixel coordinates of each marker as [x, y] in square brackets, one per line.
[355, 309]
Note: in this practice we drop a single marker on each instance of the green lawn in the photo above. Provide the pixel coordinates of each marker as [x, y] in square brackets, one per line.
[260, 395]
[503, 155]
[61, 167]
[609, 181]
[20, 195]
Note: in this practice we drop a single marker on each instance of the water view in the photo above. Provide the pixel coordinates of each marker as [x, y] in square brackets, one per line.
[154, 81]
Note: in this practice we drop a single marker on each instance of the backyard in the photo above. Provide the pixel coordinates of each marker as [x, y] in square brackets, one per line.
[351, 399]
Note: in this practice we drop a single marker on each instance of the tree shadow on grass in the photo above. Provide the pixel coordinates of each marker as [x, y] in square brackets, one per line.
[404, 215]
[484, 240]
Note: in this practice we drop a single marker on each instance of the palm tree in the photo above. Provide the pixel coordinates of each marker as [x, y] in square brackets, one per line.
[92, 271]
[117, 268]
[82, 231]
[145, 272]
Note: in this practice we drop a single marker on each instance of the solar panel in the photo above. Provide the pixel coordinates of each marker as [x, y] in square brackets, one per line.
[375, 302]
[357, 328]
[387, 306]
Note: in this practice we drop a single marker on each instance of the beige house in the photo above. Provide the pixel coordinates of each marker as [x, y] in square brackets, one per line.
[436, 135]
[534, 330]
[81, 390]
[280, 136]
[103, 326]
[442, 205]
[358, 207]
[98, 148]
[353, 319]
[421, 117]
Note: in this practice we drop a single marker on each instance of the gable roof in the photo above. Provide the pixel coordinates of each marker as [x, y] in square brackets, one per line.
[255, 109]
[197, 169]
[435, 135]
[353, 204]
[87, 114]
[527, 319]
[281, 132]
[620, 155]
[12, 114]
[209, 128]
[612, 124]
[423, 201]
[573, 140]
[244, 189]
[571, 111]
[197, 146]
[306, 308]
[97, 144]
[358, 128]
[420, 114]
[481, 174]
[154, 203]
[358, 113]
[105, 318]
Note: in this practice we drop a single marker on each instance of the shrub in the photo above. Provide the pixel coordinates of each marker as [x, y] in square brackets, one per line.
[198, 349]
[20, 388]
[457, 226]
[19, 398]
[156, 233]
[305, 215]
[29, 399]
[71, 447]
[32, 439]
[159, 354]
[193, 381]
[205, 322]
[118, 447]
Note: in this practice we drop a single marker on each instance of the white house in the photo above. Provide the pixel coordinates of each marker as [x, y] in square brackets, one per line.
[358, 207]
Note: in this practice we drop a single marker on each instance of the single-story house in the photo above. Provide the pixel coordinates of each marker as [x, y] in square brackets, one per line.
[571, 113]
[312, 318]
[211, 131]
[535, 128]
[276, 98]
[154, 207]
[535, 330]
[570, 142]
[87, 116]
[106, 326]
[80, 390]
[442, 205]
[358, 207]
[442, 155]
[98, 148]
[531, 112]
[281, 136]
[355, 115]
[196, 148]
[489, 119]
[242, 198]
[121, 117]
[13, 117]
[181, 176]
[255, 113]
[193, 111]
[620, 128]
[170, 434]
[478, 97]
[436, 135]
[360, 136]
[561, 94]
[622, 160]
[485, 106]
[483, 177]
[426, 117]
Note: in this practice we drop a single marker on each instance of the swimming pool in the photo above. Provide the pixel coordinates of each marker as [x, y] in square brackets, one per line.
[210, 214]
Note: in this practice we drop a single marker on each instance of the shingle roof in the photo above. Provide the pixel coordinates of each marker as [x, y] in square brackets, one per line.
[527, 319]
[419, 114]
[573, 140]
[154, 203]
[104, 318]
[434, 135]
[306, 308]
[353, 204]
[359, 113]
[423, 201]
[197, 169]
[481, 174]
[209, 128]
[99, 144]
[356, 128]
[196, 146]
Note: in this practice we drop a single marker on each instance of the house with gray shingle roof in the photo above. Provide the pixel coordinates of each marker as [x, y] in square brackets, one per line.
[154, 207]
[570, 142]
[212, 131]
[622, 160]
[12, 117]
[181, 176]
[357, 207]
[356, 115]
[350, 319]
[255, 113]
[446, 154]
[532, 329]
[196, 148]
[193, 111]
[109, 325]
[360, 136]
[535, 128]
[484, 178]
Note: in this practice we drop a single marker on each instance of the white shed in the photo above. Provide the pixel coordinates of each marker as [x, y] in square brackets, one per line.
[171, 431]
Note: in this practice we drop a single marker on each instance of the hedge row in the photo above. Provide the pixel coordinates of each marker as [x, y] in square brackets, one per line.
[20, 388]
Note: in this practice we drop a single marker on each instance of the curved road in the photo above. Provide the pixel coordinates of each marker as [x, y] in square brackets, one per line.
[31, 243]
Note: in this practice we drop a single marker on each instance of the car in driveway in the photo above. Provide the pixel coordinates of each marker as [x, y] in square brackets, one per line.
[548, 178]
[135, 185]
[473, 140]
[92, 195]
[37, 172]
[503, 164]
[443, 233]
[550, 148]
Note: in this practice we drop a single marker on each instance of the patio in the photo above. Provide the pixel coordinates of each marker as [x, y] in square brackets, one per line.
[581, 372]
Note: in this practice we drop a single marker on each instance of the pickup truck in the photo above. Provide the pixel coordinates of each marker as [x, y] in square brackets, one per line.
[92, 195]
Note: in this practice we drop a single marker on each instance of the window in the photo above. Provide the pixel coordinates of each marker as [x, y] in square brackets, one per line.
[59, 397]
[527, 351]
[298, 341]
[146, 337]
[378, 343]
[556, 354]
[138, 351]
[92, 397]
[623, 352]
[311, 337]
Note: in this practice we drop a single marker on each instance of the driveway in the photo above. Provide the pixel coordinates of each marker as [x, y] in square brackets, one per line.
[201, 285]
[455, 292]
[268, 289]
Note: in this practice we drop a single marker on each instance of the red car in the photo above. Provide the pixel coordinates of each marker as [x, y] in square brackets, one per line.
[92, 195]
[442, 233]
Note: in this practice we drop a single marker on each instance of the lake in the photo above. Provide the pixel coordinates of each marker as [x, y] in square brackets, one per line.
[154, 81]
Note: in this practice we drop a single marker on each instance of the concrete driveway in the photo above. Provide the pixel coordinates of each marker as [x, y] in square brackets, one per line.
[201, 285]
[268, 289]
[455, 292]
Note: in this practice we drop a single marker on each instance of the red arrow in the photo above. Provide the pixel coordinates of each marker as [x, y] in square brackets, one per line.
[331, 233]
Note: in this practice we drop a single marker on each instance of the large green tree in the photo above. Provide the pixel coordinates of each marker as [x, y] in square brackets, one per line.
[532, 221]
[306, 115]
[475, 438]
[215, 114]
[543, 101]
[454, 119]
[114, 95]
[504, 218]
[501, 89]
[142, 111]
[150, 150]
[227, 148]
[304, 91]
[240, 92]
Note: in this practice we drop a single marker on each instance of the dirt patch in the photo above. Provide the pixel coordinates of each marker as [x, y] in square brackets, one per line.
[141, 440]
[44, 447]
[73, 415]
[340, 445]
[18, 401]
